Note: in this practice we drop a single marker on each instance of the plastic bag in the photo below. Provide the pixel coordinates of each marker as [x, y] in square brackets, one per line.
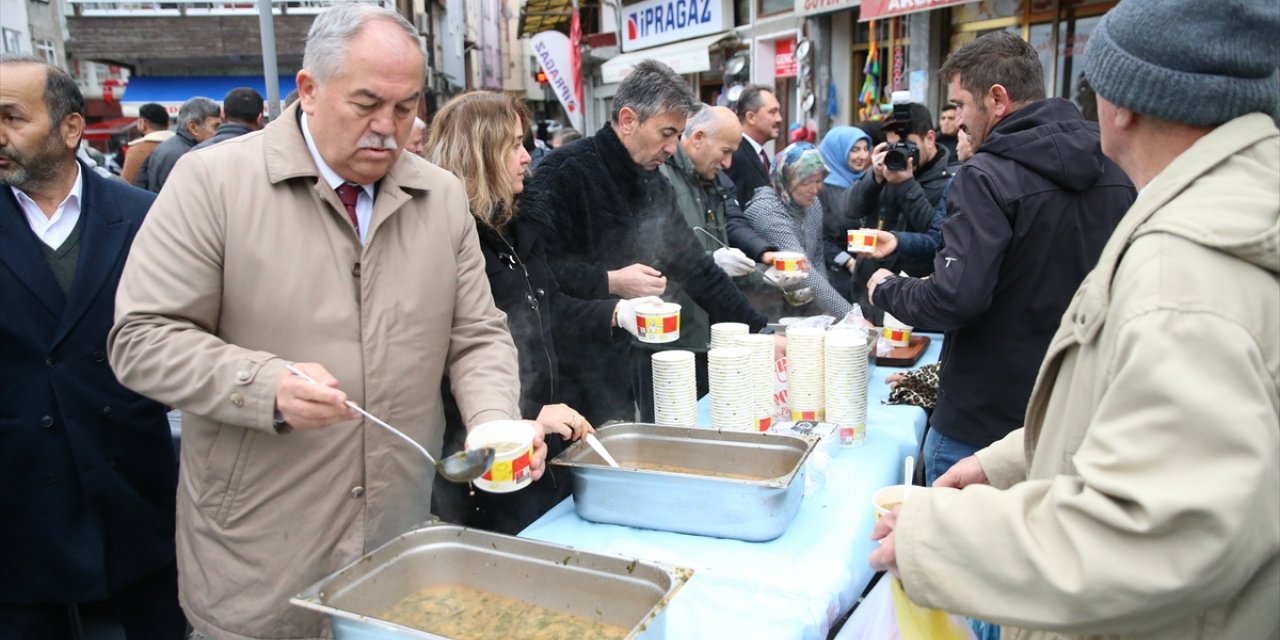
[888, 614]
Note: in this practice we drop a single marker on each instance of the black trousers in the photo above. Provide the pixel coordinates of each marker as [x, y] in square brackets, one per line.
[147, 609]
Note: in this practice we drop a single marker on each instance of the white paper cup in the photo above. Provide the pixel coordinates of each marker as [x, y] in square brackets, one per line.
[862, 240]
[512, 441]
[896, 332]
[788, 261]
[887, 498]
[658, 322]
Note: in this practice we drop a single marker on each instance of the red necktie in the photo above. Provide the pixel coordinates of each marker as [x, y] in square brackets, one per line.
[349, 193]
[764, 157]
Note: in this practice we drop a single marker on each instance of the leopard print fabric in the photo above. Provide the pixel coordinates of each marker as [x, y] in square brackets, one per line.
[918, 387]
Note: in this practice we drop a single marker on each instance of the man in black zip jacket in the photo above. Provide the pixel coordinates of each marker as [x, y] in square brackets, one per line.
[1027, 219]
[612, 230]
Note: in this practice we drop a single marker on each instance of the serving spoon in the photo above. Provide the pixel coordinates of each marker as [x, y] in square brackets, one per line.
[463, 466]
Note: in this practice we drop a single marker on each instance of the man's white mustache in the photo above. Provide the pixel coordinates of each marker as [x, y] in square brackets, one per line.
[374, 141]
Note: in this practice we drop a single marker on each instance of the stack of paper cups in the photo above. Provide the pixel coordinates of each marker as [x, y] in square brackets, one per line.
[675, 388]
[806, 386]
[723, 333]
[731, 401]
[846, 382]
[760, 372]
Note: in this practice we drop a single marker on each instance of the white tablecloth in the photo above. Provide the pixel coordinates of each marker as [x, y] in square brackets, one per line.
[794, 586]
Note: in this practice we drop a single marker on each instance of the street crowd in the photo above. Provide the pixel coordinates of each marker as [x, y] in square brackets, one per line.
[1103, 452]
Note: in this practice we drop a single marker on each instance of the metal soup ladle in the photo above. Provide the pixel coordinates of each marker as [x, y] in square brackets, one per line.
[463, 466]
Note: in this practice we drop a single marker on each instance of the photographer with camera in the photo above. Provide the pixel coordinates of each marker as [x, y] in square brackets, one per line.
[900, 194]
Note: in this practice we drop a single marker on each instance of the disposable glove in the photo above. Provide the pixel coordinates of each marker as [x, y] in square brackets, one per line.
[733, 262]
[626, 313]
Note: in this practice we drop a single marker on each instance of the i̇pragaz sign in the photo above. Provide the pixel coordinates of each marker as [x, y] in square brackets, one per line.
[654, 22]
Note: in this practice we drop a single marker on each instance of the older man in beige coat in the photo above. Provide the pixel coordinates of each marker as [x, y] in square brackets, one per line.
[250, 259]
[1142, 498]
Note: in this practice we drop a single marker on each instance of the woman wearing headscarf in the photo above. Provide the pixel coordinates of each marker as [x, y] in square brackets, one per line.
[847, 154]
[478, 136]
[789, 216]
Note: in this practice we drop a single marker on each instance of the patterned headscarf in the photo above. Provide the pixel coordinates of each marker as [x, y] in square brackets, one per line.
[835, 149]
[793, 165]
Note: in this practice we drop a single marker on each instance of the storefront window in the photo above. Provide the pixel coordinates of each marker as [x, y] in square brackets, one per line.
[892, 47]
[986, 10]
[769, 7]
[1060, 51]
[1062, 60]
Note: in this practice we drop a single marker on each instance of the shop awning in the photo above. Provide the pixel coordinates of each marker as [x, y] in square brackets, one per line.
[537, 16]
[172, 91]
[877, 9]
[107, 128]
[690, 56]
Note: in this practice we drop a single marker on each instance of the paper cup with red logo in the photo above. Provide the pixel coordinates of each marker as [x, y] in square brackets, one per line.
[789, 261]
[658, 322]
[512, 442]
[896, 332]
[862, 240]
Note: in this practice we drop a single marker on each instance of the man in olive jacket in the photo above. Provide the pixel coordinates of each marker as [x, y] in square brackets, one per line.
[704, 195]
[1142, 498]
[251, 259]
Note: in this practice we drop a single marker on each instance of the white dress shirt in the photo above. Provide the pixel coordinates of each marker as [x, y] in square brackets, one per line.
[755, 145]
[53, 230]
[364, 204]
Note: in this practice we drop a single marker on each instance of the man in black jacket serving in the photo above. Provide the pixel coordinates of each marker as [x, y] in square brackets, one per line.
[1027, 219]
[612, 230]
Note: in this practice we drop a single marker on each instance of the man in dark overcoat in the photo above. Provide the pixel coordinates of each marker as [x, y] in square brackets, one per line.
[88, 466]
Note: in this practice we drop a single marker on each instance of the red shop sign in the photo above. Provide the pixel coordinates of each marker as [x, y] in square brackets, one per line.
[784, 59]
[876, 9]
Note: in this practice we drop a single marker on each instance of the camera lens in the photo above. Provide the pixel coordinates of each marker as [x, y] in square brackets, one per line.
[895, 159]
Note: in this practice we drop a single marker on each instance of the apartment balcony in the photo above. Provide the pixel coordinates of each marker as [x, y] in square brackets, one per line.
[188, 37]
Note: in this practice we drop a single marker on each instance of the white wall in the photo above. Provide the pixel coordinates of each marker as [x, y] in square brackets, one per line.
[13, 17]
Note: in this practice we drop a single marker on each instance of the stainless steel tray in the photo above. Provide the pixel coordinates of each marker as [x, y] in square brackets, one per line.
[629, 593]
[752, 510]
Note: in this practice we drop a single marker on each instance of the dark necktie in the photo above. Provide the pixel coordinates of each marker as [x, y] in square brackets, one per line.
[349, 193]
[764, 157]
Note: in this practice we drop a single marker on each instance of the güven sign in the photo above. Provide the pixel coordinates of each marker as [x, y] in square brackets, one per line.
[815, 7]
[655, 22]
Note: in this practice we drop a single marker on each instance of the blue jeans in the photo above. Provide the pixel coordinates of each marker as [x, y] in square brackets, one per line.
[940, 452]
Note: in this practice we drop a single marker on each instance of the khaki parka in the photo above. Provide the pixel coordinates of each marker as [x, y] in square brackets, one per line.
[247, 261]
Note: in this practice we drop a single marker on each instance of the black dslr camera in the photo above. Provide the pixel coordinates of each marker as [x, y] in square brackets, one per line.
[896, 154]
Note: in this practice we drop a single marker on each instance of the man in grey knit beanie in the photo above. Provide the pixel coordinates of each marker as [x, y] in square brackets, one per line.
[1183, 61]
[1141, 498]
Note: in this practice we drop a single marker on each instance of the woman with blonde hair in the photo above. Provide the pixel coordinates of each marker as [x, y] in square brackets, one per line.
[478, 136]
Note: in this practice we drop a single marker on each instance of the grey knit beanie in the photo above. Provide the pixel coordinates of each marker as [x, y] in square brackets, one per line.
[1188, 61]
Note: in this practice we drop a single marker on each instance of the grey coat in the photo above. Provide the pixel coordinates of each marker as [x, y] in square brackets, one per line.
[793, 229]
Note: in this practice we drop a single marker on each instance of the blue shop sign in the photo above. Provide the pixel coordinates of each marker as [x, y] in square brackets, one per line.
[655, 22]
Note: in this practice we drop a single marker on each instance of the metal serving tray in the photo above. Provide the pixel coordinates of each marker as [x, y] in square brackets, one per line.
[752, 510]
[629, 593]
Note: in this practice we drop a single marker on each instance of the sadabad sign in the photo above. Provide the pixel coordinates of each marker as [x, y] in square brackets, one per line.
[877, 9]
[655, 22]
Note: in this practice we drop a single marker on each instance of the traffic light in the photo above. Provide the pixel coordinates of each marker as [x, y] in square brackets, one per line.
[541, 77]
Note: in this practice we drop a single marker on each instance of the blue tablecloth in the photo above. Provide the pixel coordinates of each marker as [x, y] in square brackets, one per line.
[797, 585]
